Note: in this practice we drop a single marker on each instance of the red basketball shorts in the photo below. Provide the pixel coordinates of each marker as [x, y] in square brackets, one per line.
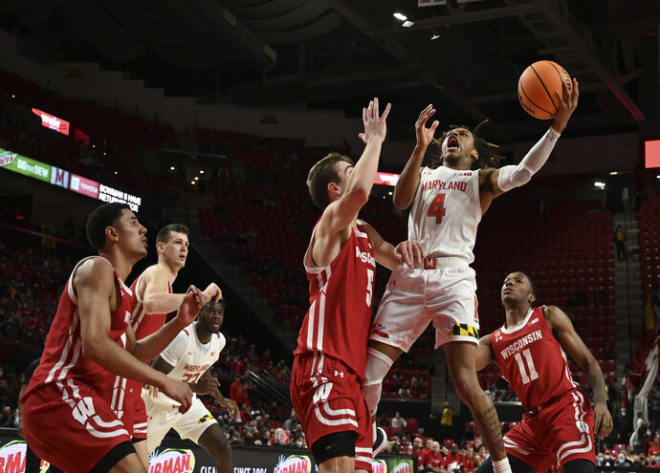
[135, 414]
[560, 433]
[70, 426]
[327, 397]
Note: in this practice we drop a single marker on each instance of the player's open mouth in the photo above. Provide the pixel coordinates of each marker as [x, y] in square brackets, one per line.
[452, 143]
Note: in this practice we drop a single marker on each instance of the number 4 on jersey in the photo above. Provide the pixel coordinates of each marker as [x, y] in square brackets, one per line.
[437, 208]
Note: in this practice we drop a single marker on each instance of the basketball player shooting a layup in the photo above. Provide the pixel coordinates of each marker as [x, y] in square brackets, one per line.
[446, 204]
[559, 425]
[331, 352]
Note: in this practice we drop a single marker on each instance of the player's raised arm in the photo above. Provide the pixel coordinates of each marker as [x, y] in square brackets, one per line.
[578, 351]
[341, 213]
[94, 285]
[149, 347]
[409, 252]
[406, 186]
[509, 177]
[484, 353]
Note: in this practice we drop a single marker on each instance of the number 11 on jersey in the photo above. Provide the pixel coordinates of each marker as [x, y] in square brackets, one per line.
[533, 374]
[437, 208]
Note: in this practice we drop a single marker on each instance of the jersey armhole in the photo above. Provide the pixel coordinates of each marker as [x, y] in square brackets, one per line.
[310, 267]
[71, 289]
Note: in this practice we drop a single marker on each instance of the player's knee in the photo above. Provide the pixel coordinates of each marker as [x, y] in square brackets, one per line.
[221, 447]
[378, 365]
[467, 386]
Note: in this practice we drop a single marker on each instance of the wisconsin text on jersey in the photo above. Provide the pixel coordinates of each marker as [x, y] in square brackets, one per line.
[438, 185]
[365, 257]
[521, 343]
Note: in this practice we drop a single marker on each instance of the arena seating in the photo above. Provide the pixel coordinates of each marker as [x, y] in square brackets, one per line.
[649, 222]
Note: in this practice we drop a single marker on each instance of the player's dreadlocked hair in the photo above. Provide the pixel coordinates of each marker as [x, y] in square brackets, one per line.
[489, 156]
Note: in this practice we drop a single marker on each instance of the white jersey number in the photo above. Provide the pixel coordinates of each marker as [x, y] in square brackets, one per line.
[370, 286]
[530, 364]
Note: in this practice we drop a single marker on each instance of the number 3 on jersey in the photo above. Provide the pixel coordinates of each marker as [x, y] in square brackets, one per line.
[437, 208]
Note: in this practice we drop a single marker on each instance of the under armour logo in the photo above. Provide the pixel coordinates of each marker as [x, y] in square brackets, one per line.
[339, 373]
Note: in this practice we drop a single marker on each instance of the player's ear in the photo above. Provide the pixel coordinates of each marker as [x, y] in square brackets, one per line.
[333, 187]
[111, 233]
[531, 298]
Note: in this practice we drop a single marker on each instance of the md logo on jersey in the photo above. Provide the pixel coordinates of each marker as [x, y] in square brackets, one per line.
[293, 464]
[172, 460]
[466, 330]
[206, 418]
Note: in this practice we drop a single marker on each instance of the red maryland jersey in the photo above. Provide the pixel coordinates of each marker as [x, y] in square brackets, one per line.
[338, 321]
[63, 362]
[532, 361]
[144, 324]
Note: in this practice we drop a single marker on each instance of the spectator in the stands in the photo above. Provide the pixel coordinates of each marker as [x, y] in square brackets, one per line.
[436, 462]
[398, 423]
[291, 421]
[447, 421]
[238, 392]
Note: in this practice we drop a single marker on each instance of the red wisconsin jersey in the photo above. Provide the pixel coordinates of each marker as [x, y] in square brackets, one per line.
[63, 362]
[338, 321]
[532, 361]
[143, 324]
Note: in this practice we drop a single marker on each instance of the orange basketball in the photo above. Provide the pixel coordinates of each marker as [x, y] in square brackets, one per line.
[537, 87]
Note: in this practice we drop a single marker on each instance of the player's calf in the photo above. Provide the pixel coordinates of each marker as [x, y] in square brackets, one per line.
[129, 464]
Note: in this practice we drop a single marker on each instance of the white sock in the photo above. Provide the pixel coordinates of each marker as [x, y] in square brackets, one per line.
[502, 466]
[378, 365]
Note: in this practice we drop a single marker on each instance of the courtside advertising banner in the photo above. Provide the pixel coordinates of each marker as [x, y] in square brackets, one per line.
[24, 165]
[177, 456]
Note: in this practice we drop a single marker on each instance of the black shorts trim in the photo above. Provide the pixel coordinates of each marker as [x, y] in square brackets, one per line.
[113, 457]
[338, 444]
[137, 439]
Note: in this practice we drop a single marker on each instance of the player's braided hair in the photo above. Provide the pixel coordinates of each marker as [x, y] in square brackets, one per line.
[489, 156]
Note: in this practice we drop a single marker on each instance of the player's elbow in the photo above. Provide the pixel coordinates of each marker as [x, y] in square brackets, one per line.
[92, 349]
[358, 196]
[399, 201]
[150, 306]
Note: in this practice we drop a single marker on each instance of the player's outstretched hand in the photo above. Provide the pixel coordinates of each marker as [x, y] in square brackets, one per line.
[375, 125]
[192, 304]
[409, 252]
[212, 291]
[178, 391]
[602, 421]
[567, 104]
[424, 134]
